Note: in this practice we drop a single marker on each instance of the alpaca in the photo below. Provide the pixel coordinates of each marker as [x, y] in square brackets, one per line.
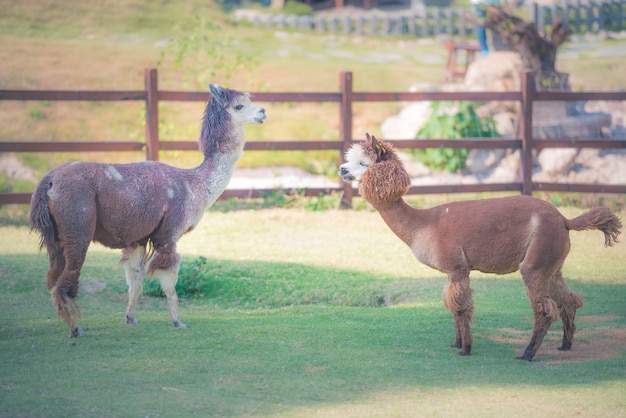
[142, 208]
[499, 235]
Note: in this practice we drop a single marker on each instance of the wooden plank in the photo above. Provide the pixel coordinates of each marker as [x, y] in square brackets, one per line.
[15, 198]
[580, 188]
[345, 128]
[151, 82]
[456, 143]
[526, 131]
[307, 145]
[579, 143]
[72, 95]
[184, 96]
[465, 188]
[554, 96]
[70, 146]
[423, 96]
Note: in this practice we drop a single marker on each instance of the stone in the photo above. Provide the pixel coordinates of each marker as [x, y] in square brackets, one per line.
[407, 123]
[554, 161]
[498, 71]
[481, 160]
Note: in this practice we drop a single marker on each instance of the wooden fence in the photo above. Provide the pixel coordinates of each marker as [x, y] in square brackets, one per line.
[431, 21]
[345, 98]
[581, 17]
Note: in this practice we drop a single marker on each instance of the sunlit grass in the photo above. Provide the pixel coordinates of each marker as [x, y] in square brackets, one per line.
[308, 314]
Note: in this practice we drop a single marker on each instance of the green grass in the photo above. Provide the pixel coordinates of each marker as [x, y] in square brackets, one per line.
[306, 314]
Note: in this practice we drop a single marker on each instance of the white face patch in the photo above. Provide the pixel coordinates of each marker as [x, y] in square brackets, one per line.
[170, 193]
[243, 111]
[357, 163]
[112, 173]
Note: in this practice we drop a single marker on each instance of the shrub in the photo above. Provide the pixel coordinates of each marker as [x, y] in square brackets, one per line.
[191, 281]
[452, 121]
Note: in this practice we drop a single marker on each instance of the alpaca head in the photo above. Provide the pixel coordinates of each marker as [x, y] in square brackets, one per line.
[227, 110]
[377, 168]
[237, 104]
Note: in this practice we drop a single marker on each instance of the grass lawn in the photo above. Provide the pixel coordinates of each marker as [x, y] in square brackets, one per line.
[306, 314]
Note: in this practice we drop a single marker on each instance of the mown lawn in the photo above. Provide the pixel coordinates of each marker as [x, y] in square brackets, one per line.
[306, 314]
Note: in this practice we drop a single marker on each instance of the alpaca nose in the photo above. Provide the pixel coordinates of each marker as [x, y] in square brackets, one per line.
[343, 171]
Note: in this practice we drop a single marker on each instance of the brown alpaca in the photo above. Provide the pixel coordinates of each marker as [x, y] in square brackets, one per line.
[136, 206]
[499, 236]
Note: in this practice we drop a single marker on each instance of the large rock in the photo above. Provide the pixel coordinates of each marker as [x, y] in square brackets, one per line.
[407, 123]
[482, 160]
[412, 117]
[556, 161]
[498, 71]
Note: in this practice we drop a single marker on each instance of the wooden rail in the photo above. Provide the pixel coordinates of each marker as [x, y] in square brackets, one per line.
[345, 98]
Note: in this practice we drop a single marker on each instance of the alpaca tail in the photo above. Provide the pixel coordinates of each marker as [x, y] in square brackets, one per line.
[598, 218]
[40, 219]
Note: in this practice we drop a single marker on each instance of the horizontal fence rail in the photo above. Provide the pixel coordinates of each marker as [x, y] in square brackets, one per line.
[345, 98]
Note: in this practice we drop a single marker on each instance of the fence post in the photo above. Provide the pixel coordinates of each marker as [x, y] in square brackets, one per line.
[526, 131]
[152, 114]
[345, 129]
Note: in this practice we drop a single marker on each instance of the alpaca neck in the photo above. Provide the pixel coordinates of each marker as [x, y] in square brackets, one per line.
[217, 169]
[401, 218]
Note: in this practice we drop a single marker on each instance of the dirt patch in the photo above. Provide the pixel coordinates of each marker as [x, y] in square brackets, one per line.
[597, 318]
[93, 287]
[589, 345]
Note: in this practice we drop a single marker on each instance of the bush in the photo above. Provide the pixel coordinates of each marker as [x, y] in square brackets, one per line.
[292, 7]
[452, 121]
[191, 281]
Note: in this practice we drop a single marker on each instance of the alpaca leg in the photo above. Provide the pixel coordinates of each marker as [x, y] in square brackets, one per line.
[457, 330]
[457, 297]
[568, 302]
[569, 328]
[65, 291]
[164, 267]
[539, 268]
[546, 312]
[56, 260]
[134, 259]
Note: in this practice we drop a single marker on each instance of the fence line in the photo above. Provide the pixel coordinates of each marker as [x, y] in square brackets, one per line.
[425, 22]
[581, 17]
[345, 98]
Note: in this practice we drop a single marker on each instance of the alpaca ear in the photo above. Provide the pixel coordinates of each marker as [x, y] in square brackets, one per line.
[216, 93]
[378, 148]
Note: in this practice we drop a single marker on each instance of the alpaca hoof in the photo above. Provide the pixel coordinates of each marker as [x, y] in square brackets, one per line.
[131, 321]
[565, 347]
[466, 351]
[456, 345]
[78, 332]
[525, 358]
[179, 324]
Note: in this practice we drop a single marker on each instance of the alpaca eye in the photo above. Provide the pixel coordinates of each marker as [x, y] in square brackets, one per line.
[238, 107]
[363, 164]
